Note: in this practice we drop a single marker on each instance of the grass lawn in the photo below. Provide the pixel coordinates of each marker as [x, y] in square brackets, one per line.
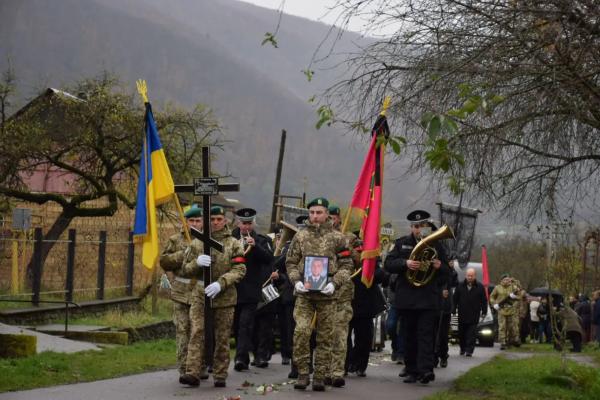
[130, 319]
[591, 349]
[49, 368]
[538, 377]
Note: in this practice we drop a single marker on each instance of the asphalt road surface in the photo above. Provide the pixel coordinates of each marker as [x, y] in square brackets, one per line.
[382, 382]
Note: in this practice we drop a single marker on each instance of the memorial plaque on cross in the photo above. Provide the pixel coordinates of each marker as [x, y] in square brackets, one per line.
[207, 186]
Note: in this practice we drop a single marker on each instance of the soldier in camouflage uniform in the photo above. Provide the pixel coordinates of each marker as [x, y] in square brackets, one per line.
[185, 296]
[504, 300]
[227, 269]
[343, 312]
[317, 239]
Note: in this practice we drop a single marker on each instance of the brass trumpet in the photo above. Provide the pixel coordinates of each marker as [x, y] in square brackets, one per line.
[425, 253]
[244, 241]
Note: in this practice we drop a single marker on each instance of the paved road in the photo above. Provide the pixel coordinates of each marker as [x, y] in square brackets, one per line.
[381, 383]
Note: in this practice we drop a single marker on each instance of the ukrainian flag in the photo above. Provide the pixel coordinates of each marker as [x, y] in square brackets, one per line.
[155, 187]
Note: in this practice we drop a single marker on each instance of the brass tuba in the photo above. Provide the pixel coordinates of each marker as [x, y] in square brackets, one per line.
[287, 233]
[425, 253]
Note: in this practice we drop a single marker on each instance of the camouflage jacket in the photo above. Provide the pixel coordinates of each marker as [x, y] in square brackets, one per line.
[320, 240]
[171, 259]
[500, 295]
[228, 267]
[346, 292]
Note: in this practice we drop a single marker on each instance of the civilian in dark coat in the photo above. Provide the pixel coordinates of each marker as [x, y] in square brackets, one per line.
[366, 304]
[584, 310]
[596, 314]
[471, 303]
[258, 259]
[419, 305]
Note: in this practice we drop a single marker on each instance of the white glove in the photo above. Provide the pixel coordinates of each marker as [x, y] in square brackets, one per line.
[299, 286]
[203, 260]
[328, 289]
[213, 289]
[513, 296]
[496, 307]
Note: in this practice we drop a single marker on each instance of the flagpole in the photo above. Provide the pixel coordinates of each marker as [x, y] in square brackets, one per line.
[142, 89]
[386, 104]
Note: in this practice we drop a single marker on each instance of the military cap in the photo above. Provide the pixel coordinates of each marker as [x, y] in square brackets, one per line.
[193, 212]
[504, 275]
[301, 219]
[319, 201]
[217, 210]
[334, 210]
[246, 214]
[418, 216]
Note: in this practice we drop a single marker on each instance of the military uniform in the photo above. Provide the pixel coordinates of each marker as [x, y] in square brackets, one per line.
[320, 240]
[187, 302]
[507, 308]
[227, 268]
[342, 318]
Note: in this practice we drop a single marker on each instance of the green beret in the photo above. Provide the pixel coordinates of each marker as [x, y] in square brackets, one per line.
[505, 275]
[334, 210]
[319, 201]
[193, 212]
[217, 210]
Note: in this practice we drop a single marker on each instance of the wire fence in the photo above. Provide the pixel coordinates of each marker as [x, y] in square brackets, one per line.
[84, 265]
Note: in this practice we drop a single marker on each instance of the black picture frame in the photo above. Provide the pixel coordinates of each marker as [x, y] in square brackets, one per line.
[312, 265]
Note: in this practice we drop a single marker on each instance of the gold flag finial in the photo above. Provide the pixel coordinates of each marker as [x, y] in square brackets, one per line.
[386, 104]
[142, 89]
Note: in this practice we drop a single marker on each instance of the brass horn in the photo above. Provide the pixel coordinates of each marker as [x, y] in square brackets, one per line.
[287, 233]
[425, 253]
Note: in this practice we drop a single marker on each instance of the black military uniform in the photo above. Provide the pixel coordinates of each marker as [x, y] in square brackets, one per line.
[419, 306]
[258, 259]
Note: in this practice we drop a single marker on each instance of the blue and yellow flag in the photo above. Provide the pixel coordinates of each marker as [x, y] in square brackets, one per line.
[155, 187]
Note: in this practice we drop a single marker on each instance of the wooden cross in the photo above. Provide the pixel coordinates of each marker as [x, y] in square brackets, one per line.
[207, 186]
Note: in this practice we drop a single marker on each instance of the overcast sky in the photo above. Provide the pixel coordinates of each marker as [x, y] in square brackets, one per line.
[318, 10]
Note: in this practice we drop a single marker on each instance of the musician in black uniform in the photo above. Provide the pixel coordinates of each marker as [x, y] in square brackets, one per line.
[258, 258]
[419, 305]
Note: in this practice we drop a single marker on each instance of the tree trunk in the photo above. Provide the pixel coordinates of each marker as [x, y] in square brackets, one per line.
[58, 227]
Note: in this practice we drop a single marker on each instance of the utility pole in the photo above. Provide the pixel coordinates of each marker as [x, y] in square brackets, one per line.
[274, 221]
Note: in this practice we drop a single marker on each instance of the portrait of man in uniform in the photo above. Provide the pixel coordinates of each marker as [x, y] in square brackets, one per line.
[315, 272]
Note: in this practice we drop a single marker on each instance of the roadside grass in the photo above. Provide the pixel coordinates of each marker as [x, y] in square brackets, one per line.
[537, 377]
[50, 369]
[591, 349]
[129, 319]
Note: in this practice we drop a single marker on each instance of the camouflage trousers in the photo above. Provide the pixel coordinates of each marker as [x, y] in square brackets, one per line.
[189, 328]
[516, 321]
[341, 323]
[223, 320]
[304, 312]
[507, 329]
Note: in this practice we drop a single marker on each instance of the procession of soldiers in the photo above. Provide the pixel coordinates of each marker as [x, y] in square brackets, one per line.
[309, 285]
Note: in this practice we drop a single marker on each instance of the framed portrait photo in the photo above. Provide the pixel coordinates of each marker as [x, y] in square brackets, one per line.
[316, 270]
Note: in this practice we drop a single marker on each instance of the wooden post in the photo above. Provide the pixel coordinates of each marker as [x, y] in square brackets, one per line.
[101, 266]
[14, 280]
[274, 220]
[37, 266]
[130, 257]
[70, 266]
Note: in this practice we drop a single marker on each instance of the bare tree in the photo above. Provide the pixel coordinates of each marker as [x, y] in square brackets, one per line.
[500, 98]
[94, 139]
